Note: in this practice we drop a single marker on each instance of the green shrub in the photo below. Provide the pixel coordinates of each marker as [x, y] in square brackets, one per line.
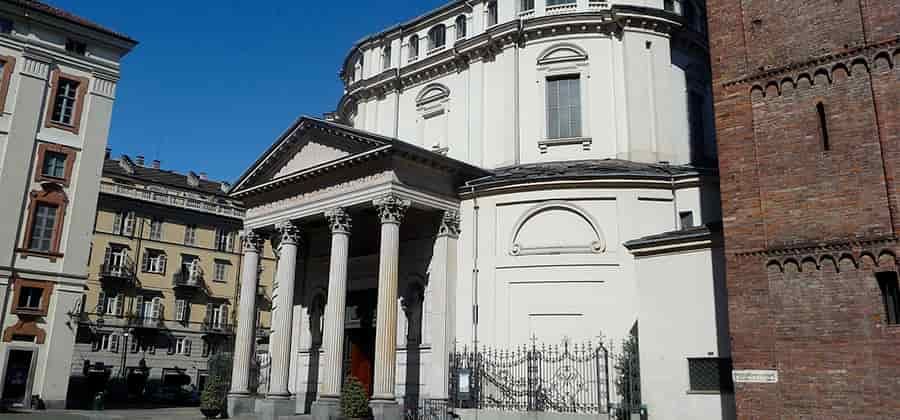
[354, 399]
[214, 395]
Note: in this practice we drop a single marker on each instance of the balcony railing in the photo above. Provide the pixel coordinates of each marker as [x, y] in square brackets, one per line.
[562, 8]
[189, 277]
[171, 199]
[140, 321]
[217, 327]
[123, 270]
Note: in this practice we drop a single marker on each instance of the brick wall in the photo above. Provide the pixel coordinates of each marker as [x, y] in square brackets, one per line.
[807, 228]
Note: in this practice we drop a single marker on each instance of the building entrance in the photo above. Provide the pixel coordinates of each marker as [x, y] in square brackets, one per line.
[359, 337]
[16, 381]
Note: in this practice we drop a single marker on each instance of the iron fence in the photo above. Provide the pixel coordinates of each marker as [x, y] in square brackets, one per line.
[567, 378]
[429, 409]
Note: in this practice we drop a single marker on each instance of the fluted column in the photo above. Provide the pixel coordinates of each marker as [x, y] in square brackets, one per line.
[333, 340]
[442, 281]
[391, 210]
[280, 346]
[243, 346]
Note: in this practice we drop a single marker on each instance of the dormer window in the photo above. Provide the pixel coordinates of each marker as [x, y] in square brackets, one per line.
[413, 47]
[437, 37]
[76, 47]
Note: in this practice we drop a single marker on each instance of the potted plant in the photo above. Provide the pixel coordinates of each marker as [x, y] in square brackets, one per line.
[212, 400]
[354, 399]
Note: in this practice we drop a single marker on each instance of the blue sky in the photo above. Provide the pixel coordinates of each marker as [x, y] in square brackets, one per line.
[209, 88]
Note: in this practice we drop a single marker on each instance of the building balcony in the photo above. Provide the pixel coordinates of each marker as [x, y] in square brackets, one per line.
[121, 271]
[210, 327]
[171, 198]
[139, 321]
[189, 279]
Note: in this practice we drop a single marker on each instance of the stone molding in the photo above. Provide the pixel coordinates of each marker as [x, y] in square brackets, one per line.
[332, 190]
[339, 220]
[449, 224]
[391, 209]
[253, 242]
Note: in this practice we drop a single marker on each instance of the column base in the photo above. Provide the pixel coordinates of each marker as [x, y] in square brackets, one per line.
[326, 408]
[272, 409]
[241, 404]
[386, 410]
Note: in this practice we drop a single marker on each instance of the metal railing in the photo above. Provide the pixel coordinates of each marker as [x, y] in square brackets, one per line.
[189, 277]
[121, 270]
[565, 379]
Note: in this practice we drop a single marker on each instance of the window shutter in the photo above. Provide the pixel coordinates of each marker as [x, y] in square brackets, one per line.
[78, 305]
[145, 262]
[162, 263]
[101, 298]
[157, 308]
[107, 257]
[187, 347]
[139, 306]
[119, 304]
[129, 224]
[95, 346]
[151, 348]
[224, 315]
[208, 317]
[179, 310]
[117, 224]
[171, 346]
[114, 343]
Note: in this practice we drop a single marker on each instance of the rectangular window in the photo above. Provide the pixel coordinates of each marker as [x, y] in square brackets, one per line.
[190, 235]
[386, 57]
[123, 223]
[890, 295]
[559, 2]
[76, 47]
[686, 218]
[526, 5]
[564, 107]
[224, 240]
[181, 310]
[492, 13]
[64, 101]
[154, 262]
[710, 374]
[221, 269]
[111, 305]
[134, 345]
[42, 228]
[183, 346]
[156, 229]
[697, 127]
[106, 342]
[54, 165]
[30, 298]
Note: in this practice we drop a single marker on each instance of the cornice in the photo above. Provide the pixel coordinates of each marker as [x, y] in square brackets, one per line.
[819, 247]
[486, 45]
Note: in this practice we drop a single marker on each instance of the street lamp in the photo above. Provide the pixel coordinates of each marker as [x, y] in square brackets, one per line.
[124, 352]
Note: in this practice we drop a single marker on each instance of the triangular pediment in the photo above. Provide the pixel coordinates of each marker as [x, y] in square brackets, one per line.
[308, 144]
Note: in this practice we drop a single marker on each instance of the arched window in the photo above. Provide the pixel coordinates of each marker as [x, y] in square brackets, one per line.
[492, 13]
[413, 47]
[460, 26]
[437, 37]
[386, 57]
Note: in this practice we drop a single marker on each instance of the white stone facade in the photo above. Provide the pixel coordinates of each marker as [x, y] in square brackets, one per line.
[559, 236]
[43, 50]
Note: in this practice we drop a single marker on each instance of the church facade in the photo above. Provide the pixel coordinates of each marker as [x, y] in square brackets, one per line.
[497, 173]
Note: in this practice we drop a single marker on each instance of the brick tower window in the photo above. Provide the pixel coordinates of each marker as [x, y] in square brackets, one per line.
[823, 126]
[890, 295]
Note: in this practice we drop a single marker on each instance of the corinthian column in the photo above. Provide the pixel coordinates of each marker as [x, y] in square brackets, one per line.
[280, 348]
[243, 346]
[391, 210]
[337, 296]
[442, 281]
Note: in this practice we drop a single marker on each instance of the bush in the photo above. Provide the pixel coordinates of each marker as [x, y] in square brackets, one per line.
[214, 395]
[354, 399]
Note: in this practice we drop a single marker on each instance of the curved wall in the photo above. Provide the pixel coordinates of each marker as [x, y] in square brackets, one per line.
[483, 98]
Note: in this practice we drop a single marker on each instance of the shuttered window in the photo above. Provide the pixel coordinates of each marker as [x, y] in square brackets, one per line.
[564, 107]
[42, 229]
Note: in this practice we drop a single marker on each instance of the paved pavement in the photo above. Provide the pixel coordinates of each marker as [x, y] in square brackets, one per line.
[184, 413]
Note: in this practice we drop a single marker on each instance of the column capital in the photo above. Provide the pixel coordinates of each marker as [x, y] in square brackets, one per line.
[449, 224]
[339, 220]
[391, 208]
[290, 233]
[253, 242]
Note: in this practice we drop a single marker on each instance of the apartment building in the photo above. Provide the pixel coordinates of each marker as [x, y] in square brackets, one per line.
[163, 281]
[58, 78]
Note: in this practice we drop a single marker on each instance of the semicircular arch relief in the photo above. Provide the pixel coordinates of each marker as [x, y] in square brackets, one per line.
[556, 227]
[558, 53]
[432, 92]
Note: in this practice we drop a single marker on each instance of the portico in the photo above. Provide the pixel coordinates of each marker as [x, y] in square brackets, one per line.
[372, 246]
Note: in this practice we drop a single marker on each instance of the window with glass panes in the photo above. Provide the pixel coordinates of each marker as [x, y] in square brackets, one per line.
[64, 103]
[190, 235]
[221, 269]
[559, 2]
[30, 298]
[42, 228]
[54, 165]
[156, 229]
[564, 107]
[224, 240]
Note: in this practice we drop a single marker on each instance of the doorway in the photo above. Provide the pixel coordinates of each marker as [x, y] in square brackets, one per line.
[17, 381]
[359, 337]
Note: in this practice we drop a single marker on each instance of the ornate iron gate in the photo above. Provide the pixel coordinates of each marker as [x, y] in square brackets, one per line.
[563, 378]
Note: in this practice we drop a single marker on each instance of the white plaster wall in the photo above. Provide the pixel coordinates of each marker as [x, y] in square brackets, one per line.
[677, 321]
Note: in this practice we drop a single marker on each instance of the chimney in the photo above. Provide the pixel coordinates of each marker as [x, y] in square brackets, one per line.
[108, 152]
[139, 160]
[203, 176]
[156, 163]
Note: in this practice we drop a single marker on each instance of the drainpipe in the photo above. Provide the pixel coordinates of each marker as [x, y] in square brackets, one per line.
[516, 117]
[474, 268]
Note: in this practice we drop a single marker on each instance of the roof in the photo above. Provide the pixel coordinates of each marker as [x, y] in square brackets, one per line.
[585, 169]
[691, 234]
[371, 140]
[113, 167]
[68, 16]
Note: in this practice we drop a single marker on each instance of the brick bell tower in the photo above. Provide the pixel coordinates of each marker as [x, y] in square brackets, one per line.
[807, 102]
